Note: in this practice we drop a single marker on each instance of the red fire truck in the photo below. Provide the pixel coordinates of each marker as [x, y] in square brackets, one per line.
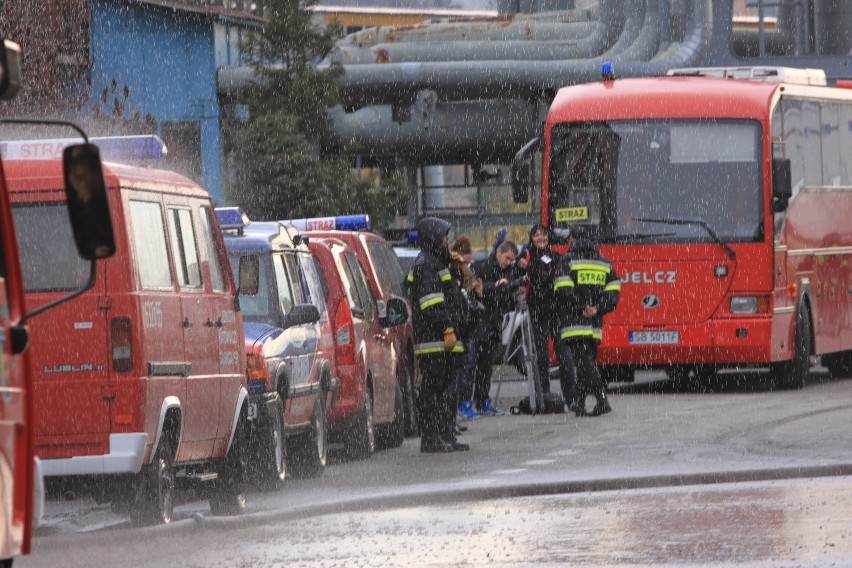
[21, 498]
[723, 198]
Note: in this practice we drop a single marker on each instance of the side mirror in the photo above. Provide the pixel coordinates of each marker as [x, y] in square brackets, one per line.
[395, 314]
[782, 184]
[249, 276]
[10, 70]
[301, 314]
[88, 208]
[521, 171]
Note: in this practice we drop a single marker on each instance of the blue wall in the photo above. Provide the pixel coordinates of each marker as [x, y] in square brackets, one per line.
[167, 58]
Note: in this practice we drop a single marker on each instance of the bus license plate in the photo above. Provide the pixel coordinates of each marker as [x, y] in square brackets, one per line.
[654, 337]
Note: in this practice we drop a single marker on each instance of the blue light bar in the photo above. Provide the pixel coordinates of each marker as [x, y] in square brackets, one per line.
[231, 218]
[113, 148]
[344, 223]
[607, 71]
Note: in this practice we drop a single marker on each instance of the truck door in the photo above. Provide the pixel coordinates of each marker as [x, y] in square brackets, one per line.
[72, 390]
[226, 324]
[199, 334]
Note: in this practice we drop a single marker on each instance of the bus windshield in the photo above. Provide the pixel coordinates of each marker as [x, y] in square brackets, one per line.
[616, 178]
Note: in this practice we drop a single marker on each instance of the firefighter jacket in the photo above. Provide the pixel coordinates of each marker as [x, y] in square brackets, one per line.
[437, 304]
[584, 278]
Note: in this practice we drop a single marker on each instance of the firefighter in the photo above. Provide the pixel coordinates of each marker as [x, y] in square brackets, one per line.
[586, 288]
[439, 315]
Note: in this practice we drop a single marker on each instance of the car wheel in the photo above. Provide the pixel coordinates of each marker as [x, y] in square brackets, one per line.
[228, 496]
[310, 453]
[272, 458]
[393, 435]
[361, 442]
[412, 428]
[156, 488]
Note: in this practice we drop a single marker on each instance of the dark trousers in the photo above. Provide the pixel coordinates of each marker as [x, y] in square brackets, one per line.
[542, 328]
[567, 373]
[484, 355]
[585, 353]
[436, 373]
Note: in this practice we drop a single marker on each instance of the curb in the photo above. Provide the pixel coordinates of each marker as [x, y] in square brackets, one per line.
[456, 494]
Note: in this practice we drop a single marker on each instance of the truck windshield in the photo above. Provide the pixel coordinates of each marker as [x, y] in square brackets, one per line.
[48, 255]
[616, 176]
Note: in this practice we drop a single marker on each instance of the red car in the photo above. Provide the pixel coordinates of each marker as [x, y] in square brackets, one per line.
[369, 403]
[385, 277]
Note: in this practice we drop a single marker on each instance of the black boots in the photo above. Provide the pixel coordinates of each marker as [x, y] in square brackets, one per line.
[578, 407]
[602, 406]
[435, 446]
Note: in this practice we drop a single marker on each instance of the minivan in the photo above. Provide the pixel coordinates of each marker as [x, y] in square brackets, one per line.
[369, 403]
[139, 383]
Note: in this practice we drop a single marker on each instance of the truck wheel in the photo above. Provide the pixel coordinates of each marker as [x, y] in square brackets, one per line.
[273, 450]
[361, 441]
[792, 374]
[228, 496]
[155, 493]
[310, 452]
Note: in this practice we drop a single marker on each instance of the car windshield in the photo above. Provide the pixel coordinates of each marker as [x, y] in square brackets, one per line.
[620, 176]
[48, 256]
[257, 307]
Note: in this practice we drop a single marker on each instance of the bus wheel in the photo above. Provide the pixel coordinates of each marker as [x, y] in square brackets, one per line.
[792, 374]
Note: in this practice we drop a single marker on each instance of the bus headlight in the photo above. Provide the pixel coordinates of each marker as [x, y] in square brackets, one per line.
[749, 304]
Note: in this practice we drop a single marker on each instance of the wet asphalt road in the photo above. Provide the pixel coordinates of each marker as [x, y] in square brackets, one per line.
[739, 475]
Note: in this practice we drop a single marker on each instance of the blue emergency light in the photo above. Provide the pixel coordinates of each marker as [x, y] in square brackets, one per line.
[231, 218]
[112, 148]
[343, 223]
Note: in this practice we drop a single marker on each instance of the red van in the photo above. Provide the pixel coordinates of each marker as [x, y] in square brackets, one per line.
[138, 383]
[369, 402]
[385, 277]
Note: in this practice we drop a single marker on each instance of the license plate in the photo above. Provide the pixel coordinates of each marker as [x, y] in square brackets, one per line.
[654, 337]
[252, 411]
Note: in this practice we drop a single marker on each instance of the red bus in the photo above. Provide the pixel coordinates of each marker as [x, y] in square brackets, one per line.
[723, 198]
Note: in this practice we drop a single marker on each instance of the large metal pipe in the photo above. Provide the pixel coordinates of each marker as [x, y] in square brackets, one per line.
[460, 132]
[438, 48]
[492, 130]
[498, 41]
[365, 85]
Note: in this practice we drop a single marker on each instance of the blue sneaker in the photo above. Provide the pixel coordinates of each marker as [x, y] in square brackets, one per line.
[489, 408]
[466, 411]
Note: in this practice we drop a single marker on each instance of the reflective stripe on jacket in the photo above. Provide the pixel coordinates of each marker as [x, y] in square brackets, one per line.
[581, 281]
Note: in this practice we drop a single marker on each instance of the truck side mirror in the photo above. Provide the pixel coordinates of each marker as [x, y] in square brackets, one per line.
[521, 171]
[782, 185]
[88, 207]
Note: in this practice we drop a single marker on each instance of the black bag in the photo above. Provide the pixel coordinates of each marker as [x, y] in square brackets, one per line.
[553, 404]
